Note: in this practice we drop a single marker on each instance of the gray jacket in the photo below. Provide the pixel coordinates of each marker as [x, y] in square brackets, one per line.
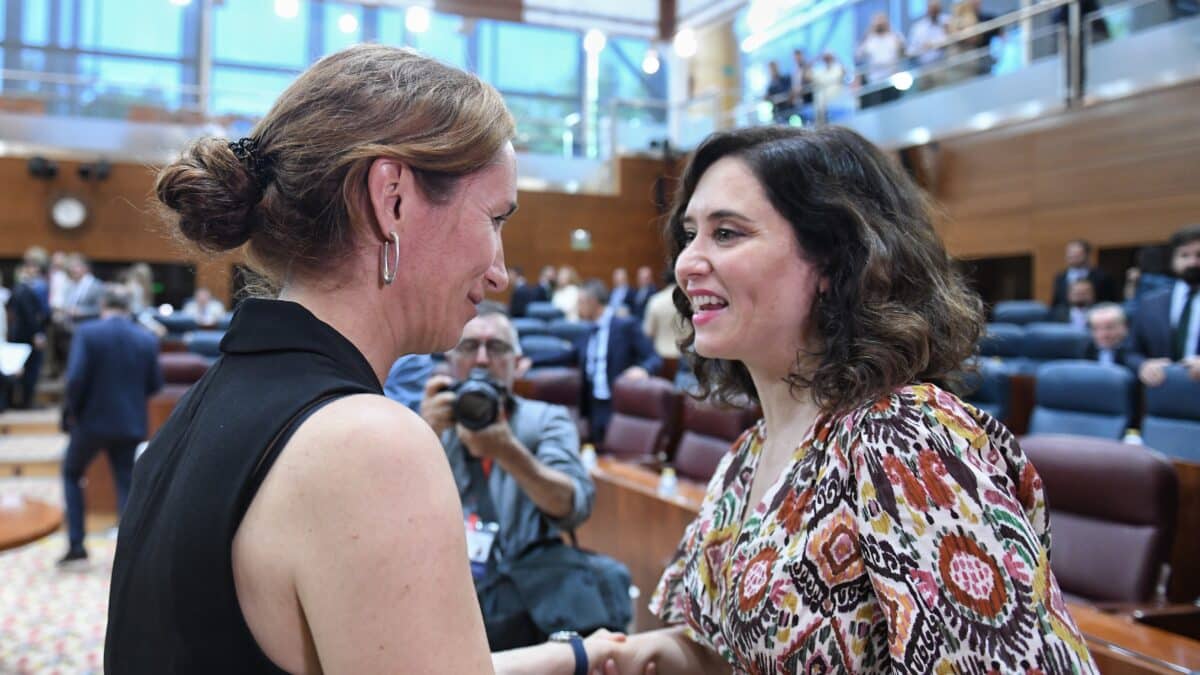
[549, 433]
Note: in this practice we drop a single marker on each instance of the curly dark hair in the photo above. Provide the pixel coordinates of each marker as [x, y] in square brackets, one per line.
[897, 310]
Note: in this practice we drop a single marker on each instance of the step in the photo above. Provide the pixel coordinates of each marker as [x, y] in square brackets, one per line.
[32, 455]
[44, 421]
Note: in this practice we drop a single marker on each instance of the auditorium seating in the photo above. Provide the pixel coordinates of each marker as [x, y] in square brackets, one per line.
[204, 342]
[1003, 340]
[559, 385]
[1172, 420]
[546, 351]
[1084, 398]
[571, 331]
[180, 370]
[543, 310]
[526, 326]
[177, 324]
[1020, 312]
[708, 433]
[989, 388]
[645, 419]
[1054, 341]
[1112, 509]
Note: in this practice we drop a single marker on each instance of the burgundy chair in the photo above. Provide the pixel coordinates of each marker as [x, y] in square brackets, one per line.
[708, 434]
[560, 385]
[180, 371]
[1112, 514]
[645, 419]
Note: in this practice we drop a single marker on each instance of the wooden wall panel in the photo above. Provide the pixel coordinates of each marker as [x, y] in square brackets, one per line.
[122, 225]
[1118, 174]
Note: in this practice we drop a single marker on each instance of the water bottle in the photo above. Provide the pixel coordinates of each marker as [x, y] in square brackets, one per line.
[1133, 437]
[588, 456]
[667, 483]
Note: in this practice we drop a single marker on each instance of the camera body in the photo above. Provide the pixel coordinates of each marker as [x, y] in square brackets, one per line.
[478, 400]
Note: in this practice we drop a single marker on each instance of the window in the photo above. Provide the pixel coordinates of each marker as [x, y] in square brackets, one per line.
[343, 26]
[35, 23]
[621, 73]
[445, 40]
[249, 32]
[153, 28]
[530, 59]
[125, 81]
[245, 91]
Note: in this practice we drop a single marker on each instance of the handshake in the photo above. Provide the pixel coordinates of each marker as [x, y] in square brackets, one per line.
[607, 654]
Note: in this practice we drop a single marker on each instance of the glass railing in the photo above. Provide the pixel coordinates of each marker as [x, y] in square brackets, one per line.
[1042, 58]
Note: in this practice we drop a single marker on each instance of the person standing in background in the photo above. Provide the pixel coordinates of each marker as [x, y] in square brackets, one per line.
[111, 373]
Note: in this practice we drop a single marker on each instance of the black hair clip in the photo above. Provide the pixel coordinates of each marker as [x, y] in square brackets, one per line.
[259, 166]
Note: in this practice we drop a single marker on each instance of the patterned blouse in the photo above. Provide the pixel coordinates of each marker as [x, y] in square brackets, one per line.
[909, 536]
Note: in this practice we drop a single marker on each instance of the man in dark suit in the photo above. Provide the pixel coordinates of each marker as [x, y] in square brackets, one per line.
[1166, 328]
[616, 348]
[1079, 267]
[1080, 298]
[1107, 325]
[645, 289]
[621, 294]
[29, 313]
[111, 372]
[524, 293]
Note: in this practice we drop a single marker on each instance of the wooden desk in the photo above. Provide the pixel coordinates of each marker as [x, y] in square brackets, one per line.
[631, 523]
[27, 521]
[1120, 645]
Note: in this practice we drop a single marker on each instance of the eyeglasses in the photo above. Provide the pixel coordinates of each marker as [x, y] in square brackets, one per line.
[495, 348]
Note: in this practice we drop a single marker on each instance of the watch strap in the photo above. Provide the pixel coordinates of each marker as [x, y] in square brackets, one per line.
[581, 657]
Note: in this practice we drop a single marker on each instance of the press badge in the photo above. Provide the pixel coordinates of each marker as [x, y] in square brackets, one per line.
[481, 537]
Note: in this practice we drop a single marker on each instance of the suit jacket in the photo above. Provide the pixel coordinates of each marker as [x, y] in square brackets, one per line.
[1120, 356]
[638, 299]
[1151, 337]
[111, 372]
[1106, 290]
[29, 314]
[523, 295]
[627, 346]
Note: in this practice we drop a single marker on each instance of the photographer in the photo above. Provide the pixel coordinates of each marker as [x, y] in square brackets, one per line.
[520, 477]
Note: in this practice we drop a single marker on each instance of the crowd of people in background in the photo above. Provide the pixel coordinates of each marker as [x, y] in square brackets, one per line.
[53, 294]
[1152, 322]
[942, 47]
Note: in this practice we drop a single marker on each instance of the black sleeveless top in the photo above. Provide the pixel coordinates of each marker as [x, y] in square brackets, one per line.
[173, 607]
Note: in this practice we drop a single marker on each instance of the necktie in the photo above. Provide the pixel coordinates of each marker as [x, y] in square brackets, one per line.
[1185, 321]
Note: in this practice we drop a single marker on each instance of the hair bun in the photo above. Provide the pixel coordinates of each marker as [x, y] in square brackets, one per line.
[211, 194]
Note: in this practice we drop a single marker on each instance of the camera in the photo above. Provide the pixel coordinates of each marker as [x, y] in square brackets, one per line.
[477, 400]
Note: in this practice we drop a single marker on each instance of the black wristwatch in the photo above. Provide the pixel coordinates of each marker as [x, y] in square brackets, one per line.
[576, 642]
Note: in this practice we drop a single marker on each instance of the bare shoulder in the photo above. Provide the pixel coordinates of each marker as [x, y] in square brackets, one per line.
[367, 437]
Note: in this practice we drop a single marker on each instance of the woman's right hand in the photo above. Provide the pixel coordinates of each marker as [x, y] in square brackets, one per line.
[614, 654]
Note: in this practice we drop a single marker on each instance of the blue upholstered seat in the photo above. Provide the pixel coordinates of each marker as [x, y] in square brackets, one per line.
[528, 326]
[547, 350]
[1171, 424]
[1020, 312]
[990, 389]
[543, 310]
[1082, 398]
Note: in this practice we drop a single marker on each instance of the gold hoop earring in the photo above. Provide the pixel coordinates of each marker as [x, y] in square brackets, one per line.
[389, 273]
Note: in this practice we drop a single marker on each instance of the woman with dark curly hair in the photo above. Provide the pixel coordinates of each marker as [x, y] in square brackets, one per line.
[872, 522]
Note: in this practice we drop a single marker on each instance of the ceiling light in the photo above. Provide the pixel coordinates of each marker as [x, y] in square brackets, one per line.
[347, 23]
[416, 19]
[902, 80]
[181, 3]
[287, 9]
[594, 41]
[685, 43]
[650, 63]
